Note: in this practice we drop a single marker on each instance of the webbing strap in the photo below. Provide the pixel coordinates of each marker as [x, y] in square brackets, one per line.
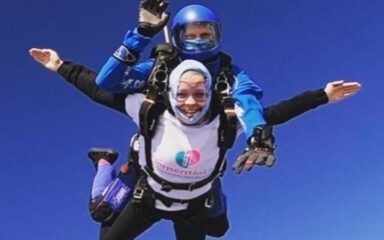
[145, 194]
[149, 114]
[148, 153]
[153, 105]
[228, 119]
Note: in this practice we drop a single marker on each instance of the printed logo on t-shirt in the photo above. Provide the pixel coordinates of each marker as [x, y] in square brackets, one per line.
[188, 158]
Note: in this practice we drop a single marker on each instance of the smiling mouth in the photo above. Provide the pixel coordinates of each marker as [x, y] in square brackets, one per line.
[191, 112]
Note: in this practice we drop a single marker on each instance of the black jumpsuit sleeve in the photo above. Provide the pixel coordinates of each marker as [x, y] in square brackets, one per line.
[291, 108]
[84, 79]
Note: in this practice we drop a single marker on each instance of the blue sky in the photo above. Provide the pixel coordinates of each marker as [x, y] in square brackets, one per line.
[327, 183]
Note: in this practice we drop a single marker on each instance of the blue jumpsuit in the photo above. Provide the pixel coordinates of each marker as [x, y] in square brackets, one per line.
[118, 77]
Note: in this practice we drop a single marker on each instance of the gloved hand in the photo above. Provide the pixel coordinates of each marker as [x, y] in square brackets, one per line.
[259, 152]
[152, 17]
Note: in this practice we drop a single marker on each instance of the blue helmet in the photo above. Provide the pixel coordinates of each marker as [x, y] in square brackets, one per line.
[198, 47]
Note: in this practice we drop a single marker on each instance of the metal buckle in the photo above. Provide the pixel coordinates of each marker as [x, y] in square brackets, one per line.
[222, 87]
[159, 77]
[138, 193]
[208, 202]
[191, 186]
[165, 187]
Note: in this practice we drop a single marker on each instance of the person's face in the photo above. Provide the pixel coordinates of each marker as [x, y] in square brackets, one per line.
[191, 94]
[202, 31]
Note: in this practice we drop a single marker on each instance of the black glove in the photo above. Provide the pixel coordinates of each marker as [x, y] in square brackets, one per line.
[152, 17]
[259, 152]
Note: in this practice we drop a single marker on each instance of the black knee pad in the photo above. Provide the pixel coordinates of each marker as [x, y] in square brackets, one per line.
[101, 211]
[218, 226]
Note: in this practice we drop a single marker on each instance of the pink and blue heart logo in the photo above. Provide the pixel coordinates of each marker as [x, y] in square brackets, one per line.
[188, 158]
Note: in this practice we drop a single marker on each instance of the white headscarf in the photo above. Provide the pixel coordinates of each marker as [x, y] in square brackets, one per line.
[174, 81]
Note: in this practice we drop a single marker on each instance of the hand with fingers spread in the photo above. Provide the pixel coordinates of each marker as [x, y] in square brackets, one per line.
[340, 90]
[152, 17]
[254, 156]
[260, 151]
[46, 57]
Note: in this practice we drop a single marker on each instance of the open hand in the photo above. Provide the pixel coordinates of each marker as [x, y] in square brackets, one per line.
[251, 157]
[340, 90]
[46, 57]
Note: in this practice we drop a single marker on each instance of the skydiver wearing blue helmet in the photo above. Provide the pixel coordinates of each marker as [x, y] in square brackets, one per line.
[196, 33]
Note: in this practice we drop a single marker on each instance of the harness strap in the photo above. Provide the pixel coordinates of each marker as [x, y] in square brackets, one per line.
[168, 201]
[228, 123]
[228, 119]
[153, 106]
[145, 194]
[148, 154]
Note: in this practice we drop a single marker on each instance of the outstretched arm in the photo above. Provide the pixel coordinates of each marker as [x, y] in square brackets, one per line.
[80, 77]
[286, 110]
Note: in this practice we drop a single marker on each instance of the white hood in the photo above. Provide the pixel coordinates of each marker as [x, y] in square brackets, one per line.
[174, 81]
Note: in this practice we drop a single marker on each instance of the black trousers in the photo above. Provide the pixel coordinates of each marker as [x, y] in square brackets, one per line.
[136, 219]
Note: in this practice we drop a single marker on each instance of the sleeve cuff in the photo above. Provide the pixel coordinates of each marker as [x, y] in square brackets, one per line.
[133, 40]
[64, 68]
[320, 97]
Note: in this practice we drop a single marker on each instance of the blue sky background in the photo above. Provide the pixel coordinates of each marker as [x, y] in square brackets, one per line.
[328, 181]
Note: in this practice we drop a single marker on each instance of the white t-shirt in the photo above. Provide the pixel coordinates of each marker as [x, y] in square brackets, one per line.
[180, 153]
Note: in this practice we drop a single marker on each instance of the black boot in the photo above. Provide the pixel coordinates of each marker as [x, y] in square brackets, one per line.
[95, 154]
